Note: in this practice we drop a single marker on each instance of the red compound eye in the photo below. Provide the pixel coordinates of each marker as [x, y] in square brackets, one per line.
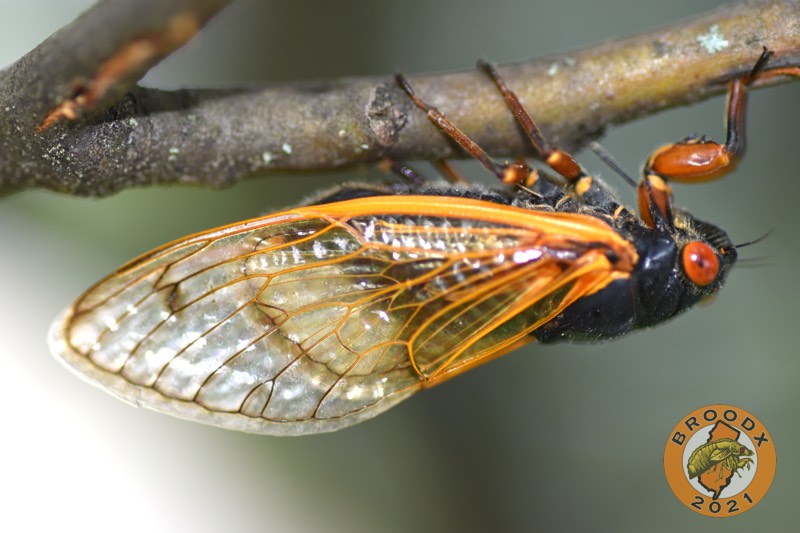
[700, 263]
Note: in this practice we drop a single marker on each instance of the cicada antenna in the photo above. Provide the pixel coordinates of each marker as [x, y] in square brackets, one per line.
[606, 157]
[748, 243]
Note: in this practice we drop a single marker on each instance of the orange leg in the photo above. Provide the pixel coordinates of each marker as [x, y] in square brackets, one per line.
[507, 173]
[450, 174]
[559, 160]
[698, 159]
[512, 173]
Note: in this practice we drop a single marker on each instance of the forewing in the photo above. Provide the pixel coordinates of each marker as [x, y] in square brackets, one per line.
[720, 455]
[314, 319]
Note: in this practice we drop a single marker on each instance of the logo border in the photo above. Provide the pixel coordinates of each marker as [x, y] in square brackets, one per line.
[701, 503]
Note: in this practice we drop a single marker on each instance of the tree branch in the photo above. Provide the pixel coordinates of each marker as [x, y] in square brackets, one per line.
[216, 137]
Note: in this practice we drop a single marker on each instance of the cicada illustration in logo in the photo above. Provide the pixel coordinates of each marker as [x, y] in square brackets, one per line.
[720, 460]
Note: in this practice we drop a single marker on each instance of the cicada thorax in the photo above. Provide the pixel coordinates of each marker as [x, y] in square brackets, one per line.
[656, 289]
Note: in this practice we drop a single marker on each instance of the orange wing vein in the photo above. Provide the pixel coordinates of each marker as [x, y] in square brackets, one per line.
[320, 317]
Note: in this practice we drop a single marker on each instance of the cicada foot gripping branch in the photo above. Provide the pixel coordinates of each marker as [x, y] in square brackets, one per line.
[319, 317]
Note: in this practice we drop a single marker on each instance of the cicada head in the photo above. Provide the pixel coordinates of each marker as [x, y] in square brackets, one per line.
[741, 450]
[678, 265]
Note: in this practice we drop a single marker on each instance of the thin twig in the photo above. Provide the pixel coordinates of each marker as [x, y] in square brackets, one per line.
[214, 137]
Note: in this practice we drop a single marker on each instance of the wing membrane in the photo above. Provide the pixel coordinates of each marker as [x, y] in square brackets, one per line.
[317, 318]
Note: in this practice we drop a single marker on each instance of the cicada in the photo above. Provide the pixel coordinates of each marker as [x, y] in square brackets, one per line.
[320, 317]
[719, 454]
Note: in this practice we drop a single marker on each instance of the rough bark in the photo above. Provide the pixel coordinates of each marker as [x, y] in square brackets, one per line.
[74, 121]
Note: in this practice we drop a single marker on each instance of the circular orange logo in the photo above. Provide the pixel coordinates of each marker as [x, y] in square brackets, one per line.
[720, 460]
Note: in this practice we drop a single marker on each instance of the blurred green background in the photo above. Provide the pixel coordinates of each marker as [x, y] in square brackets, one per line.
[561, 438]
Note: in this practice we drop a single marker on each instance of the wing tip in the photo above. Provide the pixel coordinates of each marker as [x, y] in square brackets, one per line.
[59, 345]
[138, 396]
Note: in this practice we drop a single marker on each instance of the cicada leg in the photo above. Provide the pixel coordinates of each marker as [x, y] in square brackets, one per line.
[582, 186]
[408, 174]
[412, 177]
[696, 159]
[516, 172]
[745, 461]
[557, 159]
[449, 172]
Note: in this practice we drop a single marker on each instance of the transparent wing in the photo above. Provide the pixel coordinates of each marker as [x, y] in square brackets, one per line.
[318, 318]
